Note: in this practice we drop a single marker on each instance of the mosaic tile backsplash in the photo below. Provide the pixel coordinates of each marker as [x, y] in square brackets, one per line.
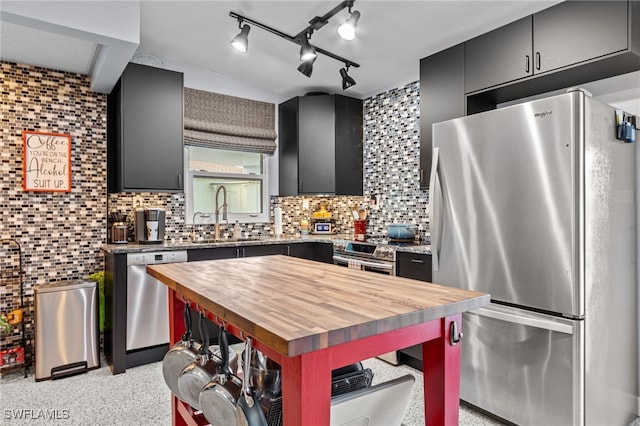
[59, 233]
[391, 178]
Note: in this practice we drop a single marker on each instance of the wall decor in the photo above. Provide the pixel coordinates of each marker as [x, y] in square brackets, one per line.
[46, 162]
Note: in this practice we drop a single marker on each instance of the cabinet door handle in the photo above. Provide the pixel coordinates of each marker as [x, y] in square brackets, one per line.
[538, 61]
[417, 261]
[237, 252]
[179, 180]
[526, 64]
[288, 251]
[421, 175]
[300, 185]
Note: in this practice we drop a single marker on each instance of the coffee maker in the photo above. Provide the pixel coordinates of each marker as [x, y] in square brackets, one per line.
[149, 225]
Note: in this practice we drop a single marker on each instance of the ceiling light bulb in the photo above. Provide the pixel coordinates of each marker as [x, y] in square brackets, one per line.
[347, 81]
[307, 52]
[241, 41]
[306, 67]
[348, 28]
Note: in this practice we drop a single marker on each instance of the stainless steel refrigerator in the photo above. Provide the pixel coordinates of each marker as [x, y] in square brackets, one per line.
[535, 204]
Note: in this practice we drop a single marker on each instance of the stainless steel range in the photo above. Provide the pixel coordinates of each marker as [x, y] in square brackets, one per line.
[375, 255]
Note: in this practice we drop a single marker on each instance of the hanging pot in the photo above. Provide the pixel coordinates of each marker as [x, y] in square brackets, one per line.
[264, 374]
[219, 397]
[182, 354]
[200, 372]
[248, 411]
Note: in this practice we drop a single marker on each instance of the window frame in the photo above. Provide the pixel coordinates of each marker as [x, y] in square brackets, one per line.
[209, 217]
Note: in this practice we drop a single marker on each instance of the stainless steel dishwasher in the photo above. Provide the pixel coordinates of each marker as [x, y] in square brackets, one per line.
[147, 300]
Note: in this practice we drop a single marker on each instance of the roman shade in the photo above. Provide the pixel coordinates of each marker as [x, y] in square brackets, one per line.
[227, 122]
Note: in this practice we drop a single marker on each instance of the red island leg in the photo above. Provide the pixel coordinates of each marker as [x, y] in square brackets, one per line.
[306, 389]
[441, 367]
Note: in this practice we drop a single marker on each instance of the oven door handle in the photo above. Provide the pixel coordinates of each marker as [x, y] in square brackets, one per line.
[363, 262]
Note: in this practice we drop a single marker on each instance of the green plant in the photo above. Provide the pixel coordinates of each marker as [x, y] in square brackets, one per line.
[4, 324]
[99, 278]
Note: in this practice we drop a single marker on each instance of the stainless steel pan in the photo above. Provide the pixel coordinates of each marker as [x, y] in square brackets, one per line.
[196, 375]
[182, 354]
[219, 397]
[248, 411]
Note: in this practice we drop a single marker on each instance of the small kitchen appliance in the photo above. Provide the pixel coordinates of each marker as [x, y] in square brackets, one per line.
[149, 225]
[323, 226]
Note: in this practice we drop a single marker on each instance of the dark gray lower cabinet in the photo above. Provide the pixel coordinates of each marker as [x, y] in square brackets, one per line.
[320, 252]
[416, 266]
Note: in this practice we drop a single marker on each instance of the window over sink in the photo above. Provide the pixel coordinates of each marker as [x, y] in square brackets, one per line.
[243, 175]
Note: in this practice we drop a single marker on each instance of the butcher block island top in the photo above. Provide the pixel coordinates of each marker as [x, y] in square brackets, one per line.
[313, 318]
[296, 305]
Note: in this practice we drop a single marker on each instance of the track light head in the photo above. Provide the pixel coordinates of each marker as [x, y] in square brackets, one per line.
[347, 30]
[347, 81]
[306, 67]
[307, 52]
[241, 41]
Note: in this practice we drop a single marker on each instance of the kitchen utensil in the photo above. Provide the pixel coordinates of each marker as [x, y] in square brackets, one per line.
[359, 230]
[362, 214]
[219, 397]
[402, 231]
[248, 411]
[264, 374]
[354, 213]
[202, 370]
[181, 355]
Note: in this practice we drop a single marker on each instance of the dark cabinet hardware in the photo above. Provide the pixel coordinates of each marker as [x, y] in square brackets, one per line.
[526, 64]
[538, 61]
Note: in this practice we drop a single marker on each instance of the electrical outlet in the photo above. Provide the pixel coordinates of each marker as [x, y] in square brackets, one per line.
[305, 204]
[137, 201]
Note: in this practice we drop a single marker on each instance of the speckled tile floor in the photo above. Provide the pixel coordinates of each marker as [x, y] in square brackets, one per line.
[140, 397]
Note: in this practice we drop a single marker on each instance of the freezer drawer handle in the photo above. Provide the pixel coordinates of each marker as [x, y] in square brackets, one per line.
[524, 320]
[454, 335]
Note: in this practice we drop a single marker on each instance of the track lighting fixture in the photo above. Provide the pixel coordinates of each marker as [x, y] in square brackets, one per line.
[348, 28]
[241, 41]
[306, 67]
[308, 52]
[347, 81]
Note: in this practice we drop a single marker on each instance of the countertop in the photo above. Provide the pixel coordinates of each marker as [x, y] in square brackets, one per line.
[298, 306]
[291, 239]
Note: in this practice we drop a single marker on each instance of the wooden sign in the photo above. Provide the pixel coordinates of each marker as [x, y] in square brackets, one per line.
[46, 162]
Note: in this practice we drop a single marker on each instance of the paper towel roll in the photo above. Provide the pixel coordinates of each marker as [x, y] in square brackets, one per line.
[277, 213]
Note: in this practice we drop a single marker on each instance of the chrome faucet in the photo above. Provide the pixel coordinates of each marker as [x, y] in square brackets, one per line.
[223, 207]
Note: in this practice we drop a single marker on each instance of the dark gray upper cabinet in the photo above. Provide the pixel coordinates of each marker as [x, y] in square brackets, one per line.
[573, 32]
[569, 33]
[499, 56]
[145, 141]
[441, 98]
[320, 145]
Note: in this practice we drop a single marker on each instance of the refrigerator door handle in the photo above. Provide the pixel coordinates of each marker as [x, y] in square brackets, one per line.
[434, 187]
[530, 319]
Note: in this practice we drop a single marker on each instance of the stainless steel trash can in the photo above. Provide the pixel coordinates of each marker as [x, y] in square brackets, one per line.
[66, 328]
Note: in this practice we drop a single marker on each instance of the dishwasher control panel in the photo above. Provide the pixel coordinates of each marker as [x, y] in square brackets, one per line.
[156, 257]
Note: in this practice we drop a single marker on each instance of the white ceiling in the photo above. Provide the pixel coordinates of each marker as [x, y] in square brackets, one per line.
[195, 35]
[392, 37]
